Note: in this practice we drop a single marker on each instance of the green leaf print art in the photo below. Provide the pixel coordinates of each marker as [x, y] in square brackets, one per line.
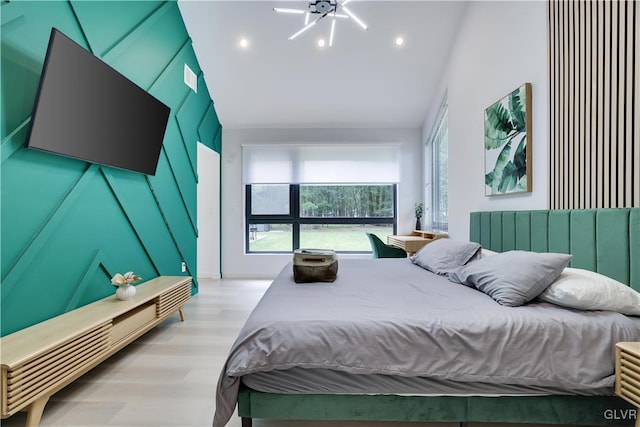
[507, 143]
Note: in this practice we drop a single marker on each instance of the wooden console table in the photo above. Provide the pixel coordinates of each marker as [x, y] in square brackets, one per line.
[40, 360]
[413, 242]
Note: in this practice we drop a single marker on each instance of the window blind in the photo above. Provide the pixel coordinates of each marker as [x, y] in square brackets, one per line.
[320, 164]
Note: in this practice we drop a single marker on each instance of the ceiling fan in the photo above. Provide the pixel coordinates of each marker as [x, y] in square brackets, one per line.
[323, 8]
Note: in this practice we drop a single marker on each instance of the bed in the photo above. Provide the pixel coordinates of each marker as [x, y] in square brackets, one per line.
[307, 351]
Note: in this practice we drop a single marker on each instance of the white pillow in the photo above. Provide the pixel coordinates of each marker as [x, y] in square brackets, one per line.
[587, 290]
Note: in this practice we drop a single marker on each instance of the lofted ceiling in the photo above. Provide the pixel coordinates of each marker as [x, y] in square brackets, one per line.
[363, 80]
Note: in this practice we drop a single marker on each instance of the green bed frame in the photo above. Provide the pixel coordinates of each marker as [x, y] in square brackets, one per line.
[602, 240]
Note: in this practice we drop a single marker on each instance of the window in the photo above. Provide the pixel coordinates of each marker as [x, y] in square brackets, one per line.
[319, 195]
[440, 172]
[284, 217]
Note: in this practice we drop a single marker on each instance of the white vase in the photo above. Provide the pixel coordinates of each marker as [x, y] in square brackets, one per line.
[125, 292]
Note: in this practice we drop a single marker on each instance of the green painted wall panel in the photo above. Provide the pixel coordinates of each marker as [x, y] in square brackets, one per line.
[135, 196]
[27, 204]
[101, 33]
[170, 200]
[186, 180]
[165, 89]
[144, 54]
[209, 128]
[24, 35]
[217, 143]
[54, 271]
[191, 107]
[68, 226]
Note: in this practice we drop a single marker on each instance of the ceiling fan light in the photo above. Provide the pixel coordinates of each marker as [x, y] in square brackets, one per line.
[354, 17]
[305, 28]
[286, 10]
[333, 29]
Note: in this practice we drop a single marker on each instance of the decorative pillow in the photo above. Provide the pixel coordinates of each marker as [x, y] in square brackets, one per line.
[443, 255]
[587, 290]
[512, 278]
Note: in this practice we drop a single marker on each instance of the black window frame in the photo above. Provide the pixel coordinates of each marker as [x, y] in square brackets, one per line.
[296, 220]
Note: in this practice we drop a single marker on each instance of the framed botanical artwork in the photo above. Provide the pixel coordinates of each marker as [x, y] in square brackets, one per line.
[507, 144]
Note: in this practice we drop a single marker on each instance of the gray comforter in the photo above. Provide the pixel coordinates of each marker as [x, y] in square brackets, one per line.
[388, 316]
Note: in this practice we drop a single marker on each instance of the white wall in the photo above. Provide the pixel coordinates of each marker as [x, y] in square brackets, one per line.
[208, 213]
[501, 45]
[237, 264]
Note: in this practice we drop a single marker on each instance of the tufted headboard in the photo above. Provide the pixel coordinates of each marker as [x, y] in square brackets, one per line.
[602, 240]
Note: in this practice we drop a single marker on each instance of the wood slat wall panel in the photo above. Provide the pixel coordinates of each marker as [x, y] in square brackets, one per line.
[594, 124]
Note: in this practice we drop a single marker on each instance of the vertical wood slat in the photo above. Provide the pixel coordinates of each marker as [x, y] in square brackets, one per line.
[594, 124]
[581, 101]
[635, 130]
[606, 103]
[571, 106]
[623, 185]
[551, 101]
[629, 108]
[593, 117]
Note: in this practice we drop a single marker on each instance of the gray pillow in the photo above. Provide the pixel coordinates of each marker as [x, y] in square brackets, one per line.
[443, 255]
[512, 278]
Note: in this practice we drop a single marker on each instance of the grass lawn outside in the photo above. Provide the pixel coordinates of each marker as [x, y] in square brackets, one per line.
[343, 238]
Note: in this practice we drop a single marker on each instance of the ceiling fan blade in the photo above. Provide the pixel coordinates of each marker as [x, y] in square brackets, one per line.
[352, 15]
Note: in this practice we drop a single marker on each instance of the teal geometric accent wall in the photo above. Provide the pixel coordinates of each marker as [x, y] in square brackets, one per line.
[67, 226]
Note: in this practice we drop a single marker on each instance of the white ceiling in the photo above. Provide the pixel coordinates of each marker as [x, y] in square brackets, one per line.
[363, 80]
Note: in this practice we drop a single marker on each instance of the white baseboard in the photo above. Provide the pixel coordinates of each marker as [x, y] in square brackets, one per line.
[254, 275]
[208, 275]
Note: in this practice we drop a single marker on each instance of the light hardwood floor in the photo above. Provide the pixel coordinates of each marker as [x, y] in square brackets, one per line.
[168, 376]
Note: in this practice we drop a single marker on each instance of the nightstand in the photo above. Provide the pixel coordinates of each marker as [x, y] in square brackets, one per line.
[628, 373]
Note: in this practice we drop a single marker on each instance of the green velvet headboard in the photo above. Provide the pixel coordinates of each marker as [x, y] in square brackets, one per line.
[602, 240]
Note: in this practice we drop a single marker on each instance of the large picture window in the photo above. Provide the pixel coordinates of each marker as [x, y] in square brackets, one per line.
[440, 172]
[284, 217]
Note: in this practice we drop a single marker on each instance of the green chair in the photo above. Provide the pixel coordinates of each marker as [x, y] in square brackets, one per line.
[382, 250]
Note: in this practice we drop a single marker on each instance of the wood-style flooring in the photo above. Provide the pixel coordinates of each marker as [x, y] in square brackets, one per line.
[168, 376]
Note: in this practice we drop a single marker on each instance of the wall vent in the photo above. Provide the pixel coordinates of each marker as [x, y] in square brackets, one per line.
[190, 78]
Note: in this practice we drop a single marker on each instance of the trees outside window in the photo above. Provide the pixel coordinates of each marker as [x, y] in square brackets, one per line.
[284, 217]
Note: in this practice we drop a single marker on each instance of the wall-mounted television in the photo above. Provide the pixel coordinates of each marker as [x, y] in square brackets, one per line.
[87, 110]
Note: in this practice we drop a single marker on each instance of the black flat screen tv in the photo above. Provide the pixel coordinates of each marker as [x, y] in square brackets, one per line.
[87, 110]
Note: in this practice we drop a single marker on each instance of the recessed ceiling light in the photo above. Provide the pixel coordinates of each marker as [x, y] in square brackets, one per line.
[321, 43]
[399, 41]
[244, 43]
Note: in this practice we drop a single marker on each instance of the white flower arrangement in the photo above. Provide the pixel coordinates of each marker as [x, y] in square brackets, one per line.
[126, 279]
